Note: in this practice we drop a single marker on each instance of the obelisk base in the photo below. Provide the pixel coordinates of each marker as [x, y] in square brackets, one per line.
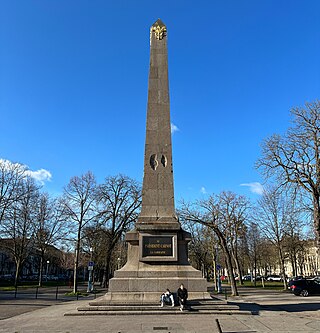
[144, 282]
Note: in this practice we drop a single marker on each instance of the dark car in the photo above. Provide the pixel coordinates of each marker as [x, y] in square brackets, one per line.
[246, 278]
[306, 287]
[292, 280]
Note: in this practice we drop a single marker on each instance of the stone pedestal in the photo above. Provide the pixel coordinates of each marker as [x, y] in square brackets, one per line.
[143, 281]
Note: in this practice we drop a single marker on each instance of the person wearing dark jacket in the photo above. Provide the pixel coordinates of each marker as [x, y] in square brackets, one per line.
[182, 294]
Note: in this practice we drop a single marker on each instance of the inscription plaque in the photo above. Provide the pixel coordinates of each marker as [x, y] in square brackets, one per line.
[158, 247]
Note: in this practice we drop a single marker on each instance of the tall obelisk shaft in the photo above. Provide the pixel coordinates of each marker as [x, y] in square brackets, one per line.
[158, 247]
[158, 195]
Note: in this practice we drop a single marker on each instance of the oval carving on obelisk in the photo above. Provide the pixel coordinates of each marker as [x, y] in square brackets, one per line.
[164, 160]
[153, 161]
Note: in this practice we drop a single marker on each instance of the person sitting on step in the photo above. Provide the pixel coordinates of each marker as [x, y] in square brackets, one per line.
[182, 296]
[167, 298]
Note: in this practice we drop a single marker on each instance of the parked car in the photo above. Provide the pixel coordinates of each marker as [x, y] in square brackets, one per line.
[258, 278]
[63, 277]
[306, 287]
[274, 278]
[246, 278]
[292, 280]
[7, 277]
[251, 278]
[53, 278]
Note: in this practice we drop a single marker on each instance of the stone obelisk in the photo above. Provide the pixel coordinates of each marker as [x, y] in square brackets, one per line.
[157, 193]
[157, 247]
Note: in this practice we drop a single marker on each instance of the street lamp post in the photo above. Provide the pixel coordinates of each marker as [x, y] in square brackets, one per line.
[48, 262]
[90, 268]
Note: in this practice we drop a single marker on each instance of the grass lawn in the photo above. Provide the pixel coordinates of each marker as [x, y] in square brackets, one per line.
[273, 285]
[270, 285]
[8, 286]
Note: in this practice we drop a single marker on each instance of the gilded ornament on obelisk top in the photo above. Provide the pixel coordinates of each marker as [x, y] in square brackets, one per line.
[159, 29]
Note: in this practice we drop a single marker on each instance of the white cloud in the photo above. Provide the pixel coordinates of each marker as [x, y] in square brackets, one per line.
[203, 190]
[41, 175]
[255, 187]
[174, 128]
[8, 165]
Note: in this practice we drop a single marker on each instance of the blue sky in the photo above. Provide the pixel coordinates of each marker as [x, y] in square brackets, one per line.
[74, 75]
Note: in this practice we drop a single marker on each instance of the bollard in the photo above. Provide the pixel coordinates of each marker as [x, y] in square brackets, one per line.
[225, 294]
[77, 295]
[37, 291]
[218, 326]
[57, 293]
[15, 292]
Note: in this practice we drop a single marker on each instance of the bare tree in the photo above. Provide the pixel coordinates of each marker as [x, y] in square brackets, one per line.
[294, 158]
[19, 225]
[295, 236]
[213, 249]
[12, 177]
[253, 241]
[198, 247]
[274, 212]
[119, 200]
[233, 209]
[209, 213]
[50, 227]
[95, 241]
[79, 209]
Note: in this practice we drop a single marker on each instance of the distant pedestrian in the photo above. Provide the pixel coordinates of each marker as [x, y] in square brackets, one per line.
[182, 293]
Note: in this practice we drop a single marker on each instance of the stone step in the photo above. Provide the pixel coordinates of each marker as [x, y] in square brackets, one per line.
[156, 312]
[215, 307]
[190, 302]
[195, 306]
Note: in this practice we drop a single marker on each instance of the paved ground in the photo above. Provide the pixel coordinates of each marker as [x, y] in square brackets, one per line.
[277, 312]
[26, 300]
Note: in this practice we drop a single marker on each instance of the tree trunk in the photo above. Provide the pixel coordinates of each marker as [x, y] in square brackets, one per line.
[75, 270]
[106, 273]
[293, 264]
[316, 221]
[255, 268]
[214, 262]
[234, 290]
[16, 278]
[238, 266]
[41, 268]
[282, 268]
[265, 271]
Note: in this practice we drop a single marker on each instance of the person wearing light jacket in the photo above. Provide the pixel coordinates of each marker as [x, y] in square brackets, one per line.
[167, 297]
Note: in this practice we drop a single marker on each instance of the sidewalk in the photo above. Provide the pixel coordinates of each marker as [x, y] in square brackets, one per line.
[26, 301]
[51, 320]
[278, 320]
